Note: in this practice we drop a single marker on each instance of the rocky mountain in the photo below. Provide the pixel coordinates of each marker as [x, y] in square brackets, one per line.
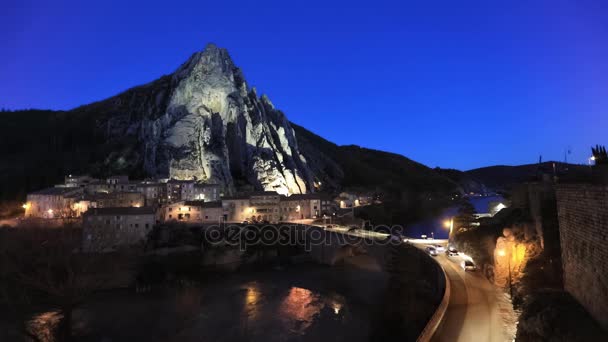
[201, 122]
[204, 122]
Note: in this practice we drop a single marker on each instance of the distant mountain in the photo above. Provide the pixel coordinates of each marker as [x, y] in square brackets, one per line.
[502, 177]
[467, 182]
[201, 122]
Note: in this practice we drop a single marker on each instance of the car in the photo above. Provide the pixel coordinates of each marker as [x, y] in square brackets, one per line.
[468, 265]
[451, 252]
[431, 250]
[245, 222]
[439, 248]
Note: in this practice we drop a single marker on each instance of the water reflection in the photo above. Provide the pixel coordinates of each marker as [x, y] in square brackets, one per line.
[252, 297]
[299, 307]
[299, 304]
[42, 325]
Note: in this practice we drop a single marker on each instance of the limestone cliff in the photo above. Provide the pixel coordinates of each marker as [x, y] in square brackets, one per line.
[204, 122]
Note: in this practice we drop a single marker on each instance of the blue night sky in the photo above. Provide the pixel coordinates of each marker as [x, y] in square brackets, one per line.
[459, 84]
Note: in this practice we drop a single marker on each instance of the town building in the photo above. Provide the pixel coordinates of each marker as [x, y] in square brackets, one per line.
[154, 193]
[237, 208]
[272, 207]
[192, 212]
[180, 190]
[81, 181]
[106, 229]
[207, 192]
[51, 203]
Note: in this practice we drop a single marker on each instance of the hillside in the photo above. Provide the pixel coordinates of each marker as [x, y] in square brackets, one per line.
[502, 177]
[201, 122]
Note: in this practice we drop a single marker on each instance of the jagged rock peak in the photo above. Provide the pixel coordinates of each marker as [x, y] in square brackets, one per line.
[214, 129]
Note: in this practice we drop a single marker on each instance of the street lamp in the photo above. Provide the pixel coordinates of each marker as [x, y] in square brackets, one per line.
[502, 253]
[449, 224]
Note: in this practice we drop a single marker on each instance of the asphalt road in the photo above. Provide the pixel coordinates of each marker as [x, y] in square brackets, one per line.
[473, 313]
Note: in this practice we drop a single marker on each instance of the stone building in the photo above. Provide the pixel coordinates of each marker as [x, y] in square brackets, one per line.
[51, 203]
[180, 190]
[253, 207]
[207, 192]
[305, 206]
[106, 229]
[272, 207]
[583, 227]
[154, 193]
[192, 212]
[264, 206]
[76, 181]
[118, 199]
[237, 208]
[213, 212]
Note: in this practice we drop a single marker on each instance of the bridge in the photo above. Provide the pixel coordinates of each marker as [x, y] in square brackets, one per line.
[330, 245]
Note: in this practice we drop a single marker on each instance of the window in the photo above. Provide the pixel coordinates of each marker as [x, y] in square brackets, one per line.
[136, 225]
[170, 216]
[206, 217]
[147, 225]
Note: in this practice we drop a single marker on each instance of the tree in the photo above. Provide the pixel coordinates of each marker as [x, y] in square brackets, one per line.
[465, 217]
[599, 155]
[46, 263]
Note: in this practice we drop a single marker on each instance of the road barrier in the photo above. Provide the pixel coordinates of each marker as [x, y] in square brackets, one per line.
[433, 324]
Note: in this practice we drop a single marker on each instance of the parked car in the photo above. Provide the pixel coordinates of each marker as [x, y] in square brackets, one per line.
[439, 248]
[451, 252]
[468, 265]
[431, 250]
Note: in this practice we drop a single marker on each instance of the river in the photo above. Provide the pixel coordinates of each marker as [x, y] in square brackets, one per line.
[303, 302]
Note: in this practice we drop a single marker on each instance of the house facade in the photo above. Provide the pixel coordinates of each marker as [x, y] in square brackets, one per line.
[106, 229]
[52, 203]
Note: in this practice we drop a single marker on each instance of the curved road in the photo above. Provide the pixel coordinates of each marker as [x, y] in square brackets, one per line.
[473, 312]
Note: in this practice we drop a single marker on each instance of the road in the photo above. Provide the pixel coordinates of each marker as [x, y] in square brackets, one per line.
[473, 311]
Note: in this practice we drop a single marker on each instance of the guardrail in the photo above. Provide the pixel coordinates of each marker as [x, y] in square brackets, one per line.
[431, 327]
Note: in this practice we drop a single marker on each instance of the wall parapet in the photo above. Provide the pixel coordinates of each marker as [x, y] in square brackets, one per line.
[435, 321]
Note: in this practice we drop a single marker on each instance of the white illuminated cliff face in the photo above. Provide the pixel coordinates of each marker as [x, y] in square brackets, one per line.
[216, 129]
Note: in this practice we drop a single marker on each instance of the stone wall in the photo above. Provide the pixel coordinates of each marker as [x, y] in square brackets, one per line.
[583, 225]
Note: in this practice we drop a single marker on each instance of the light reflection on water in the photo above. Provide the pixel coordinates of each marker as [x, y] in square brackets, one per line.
[41, 325]
[299, 308]
[274, 307]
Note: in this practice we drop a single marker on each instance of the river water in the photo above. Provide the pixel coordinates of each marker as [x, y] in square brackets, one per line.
[304, 302]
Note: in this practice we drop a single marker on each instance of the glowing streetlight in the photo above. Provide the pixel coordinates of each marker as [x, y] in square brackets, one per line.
[449, 224]
[502, 253]
[25, 206]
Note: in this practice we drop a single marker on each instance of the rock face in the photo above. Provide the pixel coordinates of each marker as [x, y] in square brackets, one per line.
[203, 122]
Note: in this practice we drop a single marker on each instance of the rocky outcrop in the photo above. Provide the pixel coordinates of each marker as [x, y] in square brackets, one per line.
[204, 122]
